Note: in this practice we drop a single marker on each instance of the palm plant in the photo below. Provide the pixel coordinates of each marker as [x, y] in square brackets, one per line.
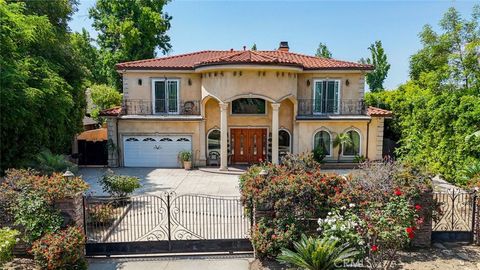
[317, 254]
[47, 163]
[342, 140]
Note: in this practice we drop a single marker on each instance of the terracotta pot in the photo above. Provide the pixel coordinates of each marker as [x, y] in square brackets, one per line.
[187, 165]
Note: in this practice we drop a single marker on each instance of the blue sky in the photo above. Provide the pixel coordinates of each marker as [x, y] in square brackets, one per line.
[348, 28]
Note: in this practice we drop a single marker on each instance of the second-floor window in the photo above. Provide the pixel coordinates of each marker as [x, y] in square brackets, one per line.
[326, 96]
[165, 96]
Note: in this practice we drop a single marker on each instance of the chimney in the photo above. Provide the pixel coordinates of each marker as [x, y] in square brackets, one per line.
[283, 46]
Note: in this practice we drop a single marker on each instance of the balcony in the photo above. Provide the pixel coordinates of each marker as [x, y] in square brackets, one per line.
[163, 107]
[312, 108]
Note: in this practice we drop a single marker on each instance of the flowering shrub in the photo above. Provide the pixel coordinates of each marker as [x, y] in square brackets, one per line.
[8, 239]
[119, 185]
[50, 187]
[101, 214]
[284, 192]
[35, 215]
[378, 230]
[60, 250]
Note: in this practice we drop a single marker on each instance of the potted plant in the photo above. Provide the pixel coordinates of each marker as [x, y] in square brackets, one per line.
[185, 157]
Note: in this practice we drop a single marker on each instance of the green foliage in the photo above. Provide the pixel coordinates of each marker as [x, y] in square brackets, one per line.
[61, 250]
[359, 159]
[8, 239]
[184, 156]
[319, 154]
[379, 60]
[317, 254]
[323, 51]
[342, 140]
[254, 47]
[119, 185]
[88, 55]
[129, 30]
[41, 84]
[104, 97]
[36, 216]
[284, 192]
[439, 108]
[47, 163]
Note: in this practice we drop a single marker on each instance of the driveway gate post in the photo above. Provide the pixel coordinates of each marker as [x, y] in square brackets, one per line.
[168, 225]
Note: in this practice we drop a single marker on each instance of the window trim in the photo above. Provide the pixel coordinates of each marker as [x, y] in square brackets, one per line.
[166, 80]
[315, 81]
[359, 144]
[331, 140]
[248, 114]
[289, 137]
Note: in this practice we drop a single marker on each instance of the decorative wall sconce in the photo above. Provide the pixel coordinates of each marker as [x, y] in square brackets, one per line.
[240, 73]
[221, 73]
[308, 82]
[264, 73]
[234, 73]
[278, 73]
[140, 82]
[189, 81]
[215, 74]
[347, 82]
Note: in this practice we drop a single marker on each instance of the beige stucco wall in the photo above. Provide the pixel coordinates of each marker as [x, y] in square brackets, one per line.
[307, 130]
[256, 82]
[155, 127]
[354, 90]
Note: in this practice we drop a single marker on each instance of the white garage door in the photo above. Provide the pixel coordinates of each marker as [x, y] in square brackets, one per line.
[154, 151]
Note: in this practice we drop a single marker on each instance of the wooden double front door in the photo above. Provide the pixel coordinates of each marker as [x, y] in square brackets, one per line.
[248, 145]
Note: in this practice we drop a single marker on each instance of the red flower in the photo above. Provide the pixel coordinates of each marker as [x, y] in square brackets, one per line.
[411, 235]
[374, 248]
[409, 230]
[398, 192]
[418, 207]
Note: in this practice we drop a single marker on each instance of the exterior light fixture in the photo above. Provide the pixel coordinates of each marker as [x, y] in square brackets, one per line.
[347, 82]
[139, 81]
[68, 175]
[189, 81]
[308, 82]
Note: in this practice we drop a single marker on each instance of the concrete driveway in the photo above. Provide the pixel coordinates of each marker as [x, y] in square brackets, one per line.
[159, 180]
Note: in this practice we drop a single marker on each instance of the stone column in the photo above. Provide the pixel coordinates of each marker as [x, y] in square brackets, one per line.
[223, 137]
[113, 144]
[275, 108]
[202, 159]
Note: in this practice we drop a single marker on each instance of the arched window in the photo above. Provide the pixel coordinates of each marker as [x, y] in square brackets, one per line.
[213, 141]
[354, 148]
[284, 143]
[323, 139]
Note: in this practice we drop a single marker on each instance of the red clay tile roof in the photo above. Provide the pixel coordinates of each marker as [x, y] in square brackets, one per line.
[191, 61]
[374, 111]
[115, 111]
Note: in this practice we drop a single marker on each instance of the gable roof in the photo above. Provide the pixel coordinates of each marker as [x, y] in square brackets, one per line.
[191, 61]
[115, 111]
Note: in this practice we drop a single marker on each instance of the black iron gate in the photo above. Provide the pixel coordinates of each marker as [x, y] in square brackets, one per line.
[457, 216]
[166, 223]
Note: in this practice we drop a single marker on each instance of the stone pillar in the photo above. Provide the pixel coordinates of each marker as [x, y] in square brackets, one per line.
[423, 235]
[112, 142]
[71, 210]
[223, 137]
[275, 108]
[202, 160]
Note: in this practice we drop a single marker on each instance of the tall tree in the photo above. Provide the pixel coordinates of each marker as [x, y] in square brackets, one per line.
[379, 60]
[254, 47]
[323, 51]
[41, 83]
[129, 30]
[88, 55]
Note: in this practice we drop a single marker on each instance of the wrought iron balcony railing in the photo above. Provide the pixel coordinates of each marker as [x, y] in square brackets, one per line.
[161, 107]
[323, 107]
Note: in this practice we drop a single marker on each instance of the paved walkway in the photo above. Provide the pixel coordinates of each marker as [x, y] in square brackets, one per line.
[237, 262]
[158, 180]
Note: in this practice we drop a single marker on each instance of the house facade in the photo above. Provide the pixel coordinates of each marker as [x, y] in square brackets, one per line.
[241, 107]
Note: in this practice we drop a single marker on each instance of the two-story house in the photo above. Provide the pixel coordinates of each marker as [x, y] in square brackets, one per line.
[241, 107]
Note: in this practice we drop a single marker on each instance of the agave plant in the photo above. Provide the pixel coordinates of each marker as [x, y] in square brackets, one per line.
[47, 163]
[317, 254]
